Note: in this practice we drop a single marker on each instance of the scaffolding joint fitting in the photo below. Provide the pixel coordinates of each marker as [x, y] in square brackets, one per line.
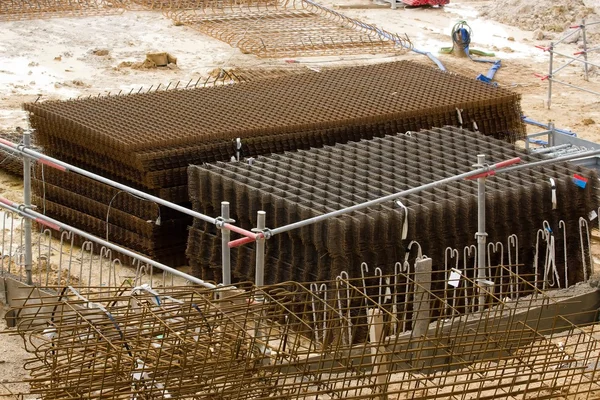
[220, 222]
[262, 233]
[480, 235]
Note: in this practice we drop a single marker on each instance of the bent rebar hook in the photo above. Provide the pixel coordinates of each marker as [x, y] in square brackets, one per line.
[561, 224]
[583, 223]
[495, 247]
[343, 278]
[469, 251]
[513, 241]
[409, 248]
[550, 262]
[453, 254]
[540, 232]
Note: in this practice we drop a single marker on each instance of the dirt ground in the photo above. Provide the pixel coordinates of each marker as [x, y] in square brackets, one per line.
[59, 58]
[71, 57]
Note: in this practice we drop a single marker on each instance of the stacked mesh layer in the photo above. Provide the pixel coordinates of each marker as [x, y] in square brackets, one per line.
[10, 162]
[148, 140]
[294, 186]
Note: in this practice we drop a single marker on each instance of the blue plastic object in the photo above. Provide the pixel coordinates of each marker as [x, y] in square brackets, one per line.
[489, 77]
[579, 182]
[541, 125]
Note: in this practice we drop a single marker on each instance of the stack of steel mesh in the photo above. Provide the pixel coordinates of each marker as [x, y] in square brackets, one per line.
[33, 9]
[148, 140]
[294, 186]
[9, 162]
[283, 28]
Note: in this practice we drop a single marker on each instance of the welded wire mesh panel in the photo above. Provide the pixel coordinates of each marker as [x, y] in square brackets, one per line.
[285, 28]
[148, 140]
[342, 98]
[294, 186]
[334, 339]
[33, 9]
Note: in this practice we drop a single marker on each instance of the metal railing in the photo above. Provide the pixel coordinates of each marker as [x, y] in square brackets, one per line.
[259, 234]
[577, 57]
[26, 211]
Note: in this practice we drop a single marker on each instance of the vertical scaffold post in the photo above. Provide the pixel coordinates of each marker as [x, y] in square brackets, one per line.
[481, 234]
[585, 56]
[225, 250]
[260, 251]
[550, 71]
[27, 204]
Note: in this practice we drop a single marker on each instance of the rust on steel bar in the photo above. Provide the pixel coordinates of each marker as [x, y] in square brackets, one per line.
[52, 162]
[304, 341]
[59, 226]
[487, 170]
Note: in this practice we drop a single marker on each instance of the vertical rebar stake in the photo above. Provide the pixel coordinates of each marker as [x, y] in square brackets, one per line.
[550, 71]
[481, 233]
[585, 57]
[27, 204]
[260, 251]
[225, 250]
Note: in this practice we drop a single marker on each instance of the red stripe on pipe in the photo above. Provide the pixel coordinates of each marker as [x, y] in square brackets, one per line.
[241, 231]
[52, 165]
[6, 142]
[482, 175]
[240, 242]
[48, 224]
[506, 163]
[7, 202]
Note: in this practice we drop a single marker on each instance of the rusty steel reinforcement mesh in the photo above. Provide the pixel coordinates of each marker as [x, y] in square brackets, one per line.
[34, 9]
[8, 161]
[297, 341]
[294, 186]
[148, 140]
[287, 28]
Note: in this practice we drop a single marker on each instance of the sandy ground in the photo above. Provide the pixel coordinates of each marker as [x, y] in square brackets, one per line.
[54, 59]
[12, 358]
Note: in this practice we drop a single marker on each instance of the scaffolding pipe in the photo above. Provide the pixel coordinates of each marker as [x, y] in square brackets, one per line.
[577, 58]
[260, 251]
[484, 171]
[27, 204]
[501, 167]
[576, 156]
[225, 250]
[550, 75]
[574, 87]
[530, 121]
[65, 167]
[30, 214]
[481, 234]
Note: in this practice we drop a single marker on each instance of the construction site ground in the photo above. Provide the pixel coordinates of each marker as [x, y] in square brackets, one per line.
[65, 58]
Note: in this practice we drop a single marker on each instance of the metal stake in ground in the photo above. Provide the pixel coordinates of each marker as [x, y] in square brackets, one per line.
[585, 56]
[481, 235]
[27, 204]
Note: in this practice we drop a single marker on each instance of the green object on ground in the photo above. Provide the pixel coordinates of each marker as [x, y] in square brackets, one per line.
[457, 41]
[448, 50]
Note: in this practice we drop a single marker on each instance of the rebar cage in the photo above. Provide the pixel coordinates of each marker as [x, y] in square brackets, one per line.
[376, 336]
